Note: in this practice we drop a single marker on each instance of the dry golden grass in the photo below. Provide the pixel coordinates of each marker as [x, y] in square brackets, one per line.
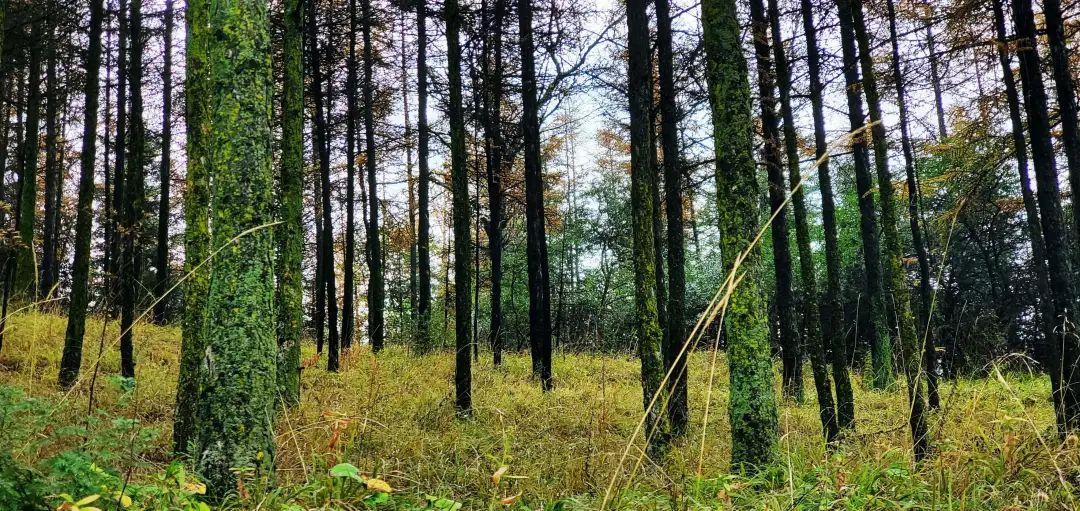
[393, 415]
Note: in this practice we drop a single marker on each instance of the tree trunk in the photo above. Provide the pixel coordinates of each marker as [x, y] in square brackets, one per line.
[460, 188]
[647, 330]
[347, 307]
[752, 406]
[895, 286]
[935, 78]
[53, 182]
[791, 356]
[925, 342]
[423, 239]
[1045, 307]
[880, 345]
[536, 242]
[238, 393]
[130, 268]
[71, 360]
[119, 169]
[161, 308]
[1065, 86]
[1064, 345]
[493, 136]
[25, 264]
[811, 315]
[376, 291]
[290, 233]
[676, 349]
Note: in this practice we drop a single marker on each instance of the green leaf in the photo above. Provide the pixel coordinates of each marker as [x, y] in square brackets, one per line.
[346, 470]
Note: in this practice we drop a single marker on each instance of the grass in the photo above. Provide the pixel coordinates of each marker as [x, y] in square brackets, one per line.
[392, 416]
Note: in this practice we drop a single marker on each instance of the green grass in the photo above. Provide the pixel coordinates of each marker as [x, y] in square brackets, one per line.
[393, 417]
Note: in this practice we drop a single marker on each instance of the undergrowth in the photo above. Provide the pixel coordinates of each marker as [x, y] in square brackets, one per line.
[382, 434]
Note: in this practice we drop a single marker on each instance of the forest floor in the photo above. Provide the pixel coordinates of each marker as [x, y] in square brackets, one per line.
[392, 416]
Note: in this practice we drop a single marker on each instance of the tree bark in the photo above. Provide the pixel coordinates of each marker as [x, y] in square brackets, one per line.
[161, 308]
[494, 149]
[25, 265]
[423, 239]
[376, 291]
[130, 267]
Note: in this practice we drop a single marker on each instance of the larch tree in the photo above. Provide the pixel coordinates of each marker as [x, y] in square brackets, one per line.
[290, 232]
[349, 286]
[790, 356]
[71, 359]
[676, 349]
[752, 405]
[832, 310]
[197, 240]
[1065, 86]
[1064, 346]
[881, 359]
[115, 243]
[130, 229]
[1031, 208]
[647, 330]
[161, 259]
[494, 150]
[239, 387]
[461, 215]
[376, 286]
[924, 336]
[536, 231]
[25, 261]
[49, 232]
[811, 316]
[423, 237]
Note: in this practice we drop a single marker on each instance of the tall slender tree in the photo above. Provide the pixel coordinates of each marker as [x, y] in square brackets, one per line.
[493, 73]
[676, 350]
[831, 314]
[25, 261]
[1064, 346]
[460, 199]
[133, 198]
[1065, 86]
[811, 316]
[924, 332]
[880, 346]
[291, 231]
[376, 287]
[71, 360]
[161, 261]
[536, 232]
[115, 244]
[752, 406]
[347, 306]
[238, 392]
[647, 331]
[897, 294]
[423, 238]
[785, 298]
[49, 233]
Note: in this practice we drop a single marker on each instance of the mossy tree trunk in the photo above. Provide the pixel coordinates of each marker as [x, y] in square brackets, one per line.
[647, 332]
[536, 232]
[71, 359]
[831, 331]
[290, 233]
[752, 407]
[238, 392]
[882, 375]
[461, 216]
[811, 316]
[678, 402]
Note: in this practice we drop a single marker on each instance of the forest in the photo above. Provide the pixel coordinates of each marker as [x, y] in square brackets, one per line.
[539, 254]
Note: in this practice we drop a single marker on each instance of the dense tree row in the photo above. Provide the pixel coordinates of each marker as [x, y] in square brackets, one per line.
[298, 115]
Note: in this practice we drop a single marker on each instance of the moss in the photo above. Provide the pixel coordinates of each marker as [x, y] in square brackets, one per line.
[239, 364]
[752, 407]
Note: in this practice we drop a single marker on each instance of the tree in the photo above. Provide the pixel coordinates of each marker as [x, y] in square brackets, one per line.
[133, 198]
[376, 291]
[196, 226]
[647, 331]
[1064, 346]
[831, 315]
[791, 356]
[880, 345]
[423, 239]
[460, 198]
[347, 307]
[115, 243]
[676, 350]
[1031, 208]
[811, 315]
[752, 406]
[536, 232]
[25, 264]
[926, 296]
[494, 149]
[291, 231]
[1065, 86]
[71, 359]
[161, 264]
[238, 391]
[49, 232]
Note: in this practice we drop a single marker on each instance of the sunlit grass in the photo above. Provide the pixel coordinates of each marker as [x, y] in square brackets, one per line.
[393, 416]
